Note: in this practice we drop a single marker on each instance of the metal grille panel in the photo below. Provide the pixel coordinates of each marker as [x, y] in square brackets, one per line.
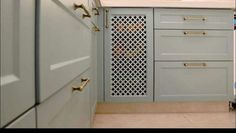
[128, 56]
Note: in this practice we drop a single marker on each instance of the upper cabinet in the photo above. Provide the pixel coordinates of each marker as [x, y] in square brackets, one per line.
[17, 58]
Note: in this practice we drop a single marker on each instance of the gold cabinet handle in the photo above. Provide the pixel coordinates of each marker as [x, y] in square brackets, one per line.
[97, 11]
[95, 28]
[87, 14]
[194, 33]
[195, 64]
[84, 82]
[194, 18]
[106, 19]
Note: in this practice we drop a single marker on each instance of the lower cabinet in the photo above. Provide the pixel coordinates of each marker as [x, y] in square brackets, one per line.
[68, 108]
[28, 120]
[186, 81]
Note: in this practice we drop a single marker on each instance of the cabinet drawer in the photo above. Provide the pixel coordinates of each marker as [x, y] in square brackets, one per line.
[28, 120]
[193, 45]
[67, 108]
[186, 81]
[193, 19]
[64, 47]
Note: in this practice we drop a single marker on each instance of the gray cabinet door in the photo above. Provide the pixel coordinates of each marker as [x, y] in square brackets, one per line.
[64, 45]
[67, 108]
[194, 45]
[194, 81]
[17, 58]
[128, 54]
[28, 120]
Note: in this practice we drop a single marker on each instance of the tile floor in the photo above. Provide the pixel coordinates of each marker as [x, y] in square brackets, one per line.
[166, 120]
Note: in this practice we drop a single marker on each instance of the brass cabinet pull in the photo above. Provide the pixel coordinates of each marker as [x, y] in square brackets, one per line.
[97, 11]
[95, 27]
[194, 33]
[195, 64]
[194, 18]
[106, 21]
[84, 8]
[84, 82]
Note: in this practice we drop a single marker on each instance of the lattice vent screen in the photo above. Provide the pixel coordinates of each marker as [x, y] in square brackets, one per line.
[128, 56]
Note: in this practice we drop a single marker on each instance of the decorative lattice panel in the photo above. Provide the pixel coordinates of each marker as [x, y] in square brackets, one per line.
[128, 56]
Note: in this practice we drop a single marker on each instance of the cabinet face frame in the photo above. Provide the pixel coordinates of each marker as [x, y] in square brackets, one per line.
[108, 14]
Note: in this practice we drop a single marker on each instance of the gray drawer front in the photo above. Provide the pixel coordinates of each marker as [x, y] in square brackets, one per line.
[66, 108]
[193, 45]
[193, 19]
[65, 46]
[193, 81]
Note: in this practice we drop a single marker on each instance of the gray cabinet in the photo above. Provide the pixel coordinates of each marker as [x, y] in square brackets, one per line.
[68, 108]
[194, 45]
[67, 61]
[193, 19]
[64, 44]
[193, 54]
[128, 54]
[191, 81]
[17, 58]
[27, 120]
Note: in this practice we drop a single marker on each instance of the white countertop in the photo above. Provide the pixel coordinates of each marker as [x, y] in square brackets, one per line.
[170, 3]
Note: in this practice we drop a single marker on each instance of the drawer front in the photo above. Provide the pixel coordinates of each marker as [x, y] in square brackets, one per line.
[66, 108]
[193, 81]
[193, 19]
[193, 45]
[28, 120]
[64, 47]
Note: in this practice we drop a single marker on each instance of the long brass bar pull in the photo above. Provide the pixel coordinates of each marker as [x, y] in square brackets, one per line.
[81, 6]
[106, 21]
[97, 11]
[195, 64]
[84, 82]
[194, 18]
[188, 33]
